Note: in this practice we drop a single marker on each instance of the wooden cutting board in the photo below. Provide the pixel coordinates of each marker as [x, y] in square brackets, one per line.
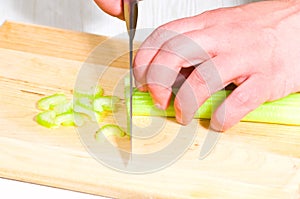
[250, 161]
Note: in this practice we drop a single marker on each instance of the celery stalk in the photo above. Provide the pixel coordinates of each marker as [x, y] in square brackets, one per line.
[284, 111]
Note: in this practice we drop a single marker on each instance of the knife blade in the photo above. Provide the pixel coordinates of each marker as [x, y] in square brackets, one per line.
[209, 143]
[131, 16]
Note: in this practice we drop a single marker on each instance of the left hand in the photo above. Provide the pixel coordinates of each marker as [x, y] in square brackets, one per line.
[255, 46]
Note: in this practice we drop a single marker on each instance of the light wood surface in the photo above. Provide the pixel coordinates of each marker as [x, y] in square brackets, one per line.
[250, 161]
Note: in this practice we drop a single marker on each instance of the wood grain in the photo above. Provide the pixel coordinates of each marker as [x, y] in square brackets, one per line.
[250, 161]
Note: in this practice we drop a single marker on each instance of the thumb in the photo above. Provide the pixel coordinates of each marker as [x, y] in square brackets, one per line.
[244, 99]
[112, 7]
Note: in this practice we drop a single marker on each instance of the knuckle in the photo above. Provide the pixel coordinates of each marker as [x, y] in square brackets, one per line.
[242, 98]
[177, 47]
[171, 45]
[213, 14]
[210, 13]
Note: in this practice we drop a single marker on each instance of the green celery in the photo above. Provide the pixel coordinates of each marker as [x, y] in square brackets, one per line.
[283, 111]
[91, 94]
[109, 130]
[65, 107]
[47, 119]
[48, 103]
[69, 119]
[105, 103]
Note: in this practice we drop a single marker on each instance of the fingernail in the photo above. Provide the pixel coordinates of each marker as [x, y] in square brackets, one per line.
[179, 117]
[217, 123]
[142, 88]
[215, 126]
[160, 95]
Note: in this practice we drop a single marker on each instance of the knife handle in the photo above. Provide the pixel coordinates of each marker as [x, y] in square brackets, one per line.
[131, 15]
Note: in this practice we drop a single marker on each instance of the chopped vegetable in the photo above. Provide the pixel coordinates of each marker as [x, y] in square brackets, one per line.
[105, 103]
[58, 111]
[65, 107]
[88, 112]
[47, 119]
[69, 119]
[49, 102]
[84, 105]
[109, 130]
[91, 94]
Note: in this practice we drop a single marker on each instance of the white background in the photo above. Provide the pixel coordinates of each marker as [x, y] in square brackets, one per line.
[83, 15]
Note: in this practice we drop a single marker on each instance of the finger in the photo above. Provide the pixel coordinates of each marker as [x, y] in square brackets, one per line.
[244, 99]
[112, 7]
[208, 78]
[167, 63]
[153, 43]
[156, 40]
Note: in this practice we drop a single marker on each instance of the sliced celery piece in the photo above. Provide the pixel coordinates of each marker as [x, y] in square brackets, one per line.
[85, 102]
[110, 130]
[65, 107]
[69, 119]
[105, 103]
[84, 106]
[49, 102]
[91, 94]
[47, 119]
[91, 114]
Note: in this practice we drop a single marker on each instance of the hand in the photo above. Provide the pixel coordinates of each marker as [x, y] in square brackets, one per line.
[112, 7]
[255, 46]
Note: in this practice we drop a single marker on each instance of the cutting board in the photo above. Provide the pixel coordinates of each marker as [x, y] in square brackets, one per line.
[251, 160]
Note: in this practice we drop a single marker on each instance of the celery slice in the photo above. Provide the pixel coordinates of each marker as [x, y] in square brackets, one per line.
[90, 113]
[105, 103]
[47, 103]
[65, 107]
[66, 119]
[109, 130]
[69, 119]
[47, 119]
[85, 103]
[91, 94]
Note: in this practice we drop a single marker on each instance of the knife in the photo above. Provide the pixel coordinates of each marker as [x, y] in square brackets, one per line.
[209, 143]
[130, 16]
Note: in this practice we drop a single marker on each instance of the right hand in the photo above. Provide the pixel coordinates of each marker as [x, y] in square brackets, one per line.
[254, 46]
[112, 7]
